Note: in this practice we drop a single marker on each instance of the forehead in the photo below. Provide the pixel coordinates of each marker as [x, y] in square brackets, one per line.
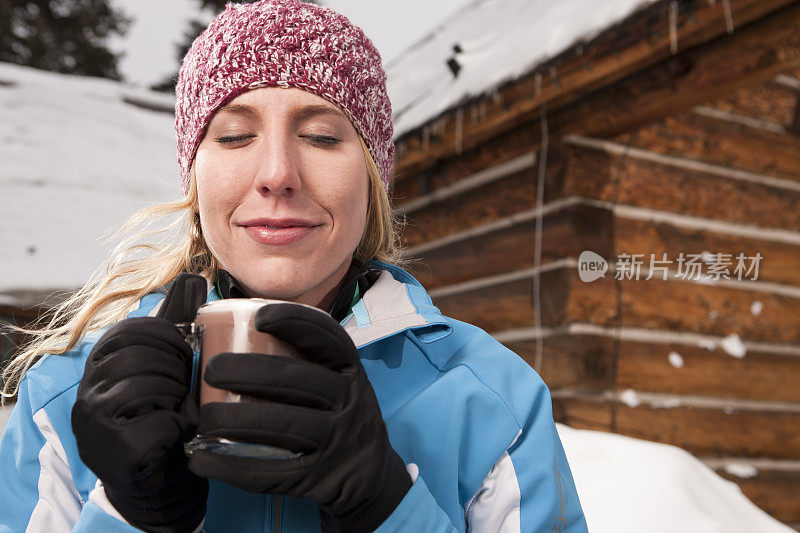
[280, 100]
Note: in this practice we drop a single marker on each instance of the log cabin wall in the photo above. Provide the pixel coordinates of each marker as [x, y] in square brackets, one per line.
[689, 151]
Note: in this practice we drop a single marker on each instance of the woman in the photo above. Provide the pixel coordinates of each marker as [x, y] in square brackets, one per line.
[407, 420]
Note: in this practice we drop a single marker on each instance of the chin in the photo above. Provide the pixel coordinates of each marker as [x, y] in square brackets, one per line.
[278, 280]
[274, 287]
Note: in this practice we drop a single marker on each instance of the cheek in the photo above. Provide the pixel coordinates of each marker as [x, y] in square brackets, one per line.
[352, 198]
[216, 189]
[215, 199]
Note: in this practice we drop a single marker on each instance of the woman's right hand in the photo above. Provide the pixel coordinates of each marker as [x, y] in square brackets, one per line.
[133, 414]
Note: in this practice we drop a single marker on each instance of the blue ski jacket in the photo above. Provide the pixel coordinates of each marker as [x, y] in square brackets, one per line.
[470, 418]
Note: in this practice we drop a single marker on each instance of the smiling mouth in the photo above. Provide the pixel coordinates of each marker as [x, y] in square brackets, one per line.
[279, 223]
[272, 232]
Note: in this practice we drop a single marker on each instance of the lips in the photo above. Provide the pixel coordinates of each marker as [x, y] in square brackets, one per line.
[278, 231]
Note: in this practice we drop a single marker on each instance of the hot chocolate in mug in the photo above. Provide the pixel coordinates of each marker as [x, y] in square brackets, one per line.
[228, 326]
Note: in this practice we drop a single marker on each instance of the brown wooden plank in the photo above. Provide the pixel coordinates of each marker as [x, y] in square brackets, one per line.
[757, 376]
[572, 361]
[583, 414]
[631, 46]
[702, 431]
[565, 233]
[484, 156]
[717, 310]
[593, 173]
[775, 491]
[585, 362]
[781, 263]
[721, 142]
[713, 431]
[751, 55]
[508, 305]
[475, 207]
[498, 199]
[651, 304]
[771, 102]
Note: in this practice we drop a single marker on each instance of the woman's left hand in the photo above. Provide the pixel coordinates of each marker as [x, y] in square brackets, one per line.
[325, 409]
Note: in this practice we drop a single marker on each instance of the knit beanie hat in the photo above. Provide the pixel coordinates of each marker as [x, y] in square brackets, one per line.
[283, 43]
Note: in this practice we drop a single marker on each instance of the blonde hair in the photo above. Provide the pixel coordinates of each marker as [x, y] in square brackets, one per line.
[151, 254]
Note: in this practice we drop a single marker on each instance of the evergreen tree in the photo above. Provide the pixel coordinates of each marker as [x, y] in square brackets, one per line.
[194, 29]
[68, 36]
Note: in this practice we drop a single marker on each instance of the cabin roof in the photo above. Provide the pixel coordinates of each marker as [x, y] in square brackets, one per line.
[491, 42]
[79, 155]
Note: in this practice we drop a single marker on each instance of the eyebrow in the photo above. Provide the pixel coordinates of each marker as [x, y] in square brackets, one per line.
[299, 112]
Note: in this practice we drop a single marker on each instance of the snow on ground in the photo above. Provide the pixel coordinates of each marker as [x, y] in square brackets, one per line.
[632, 485]
[499, 40]
[75, 161]
[629, 485]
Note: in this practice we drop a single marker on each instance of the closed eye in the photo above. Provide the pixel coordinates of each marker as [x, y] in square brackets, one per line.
[322, 140]
[234, 138]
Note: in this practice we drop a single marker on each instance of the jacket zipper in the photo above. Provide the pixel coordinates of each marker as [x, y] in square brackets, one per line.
[277, 515]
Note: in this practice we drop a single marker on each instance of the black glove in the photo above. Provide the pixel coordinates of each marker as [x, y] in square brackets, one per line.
[325, 409]
[133, 413]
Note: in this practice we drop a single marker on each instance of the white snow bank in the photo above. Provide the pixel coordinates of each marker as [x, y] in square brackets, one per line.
[632, 485]
[500, 40]
[76, 159]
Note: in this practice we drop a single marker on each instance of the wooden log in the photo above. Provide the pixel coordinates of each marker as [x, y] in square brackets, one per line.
[759, 375]
[493, 152]
[507, 304]
[773, 490]
[721, 142]
[590, 362]
[713, 431]
[592, 173]
[586, 67]
[673, 305]
[565, 233]
[716, 310]
[572, 361]
[577, 227]
[583, 413]
[493, 201]
[751, 55]
[706, 431]
[781, 262]
[770, 102]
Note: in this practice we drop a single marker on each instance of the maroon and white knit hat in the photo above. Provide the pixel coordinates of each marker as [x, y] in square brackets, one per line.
[283, 43]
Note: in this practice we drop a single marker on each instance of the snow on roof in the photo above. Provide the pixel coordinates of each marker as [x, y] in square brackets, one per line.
[493, 41]
[78, 156]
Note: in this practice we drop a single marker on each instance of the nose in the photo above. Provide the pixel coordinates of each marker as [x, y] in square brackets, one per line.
[278, 173]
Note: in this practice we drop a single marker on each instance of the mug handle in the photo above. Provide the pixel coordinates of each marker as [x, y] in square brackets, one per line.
[193, 333]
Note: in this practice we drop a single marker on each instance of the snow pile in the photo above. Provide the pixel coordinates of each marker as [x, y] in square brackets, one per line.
[675, 359]
[79, 155]
[734, 346]
[630, 398]
[493, 41]
[632, 485]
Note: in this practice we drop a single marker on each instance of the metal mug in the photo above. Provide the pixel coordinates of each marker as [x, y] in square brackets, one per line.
[227, 326]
